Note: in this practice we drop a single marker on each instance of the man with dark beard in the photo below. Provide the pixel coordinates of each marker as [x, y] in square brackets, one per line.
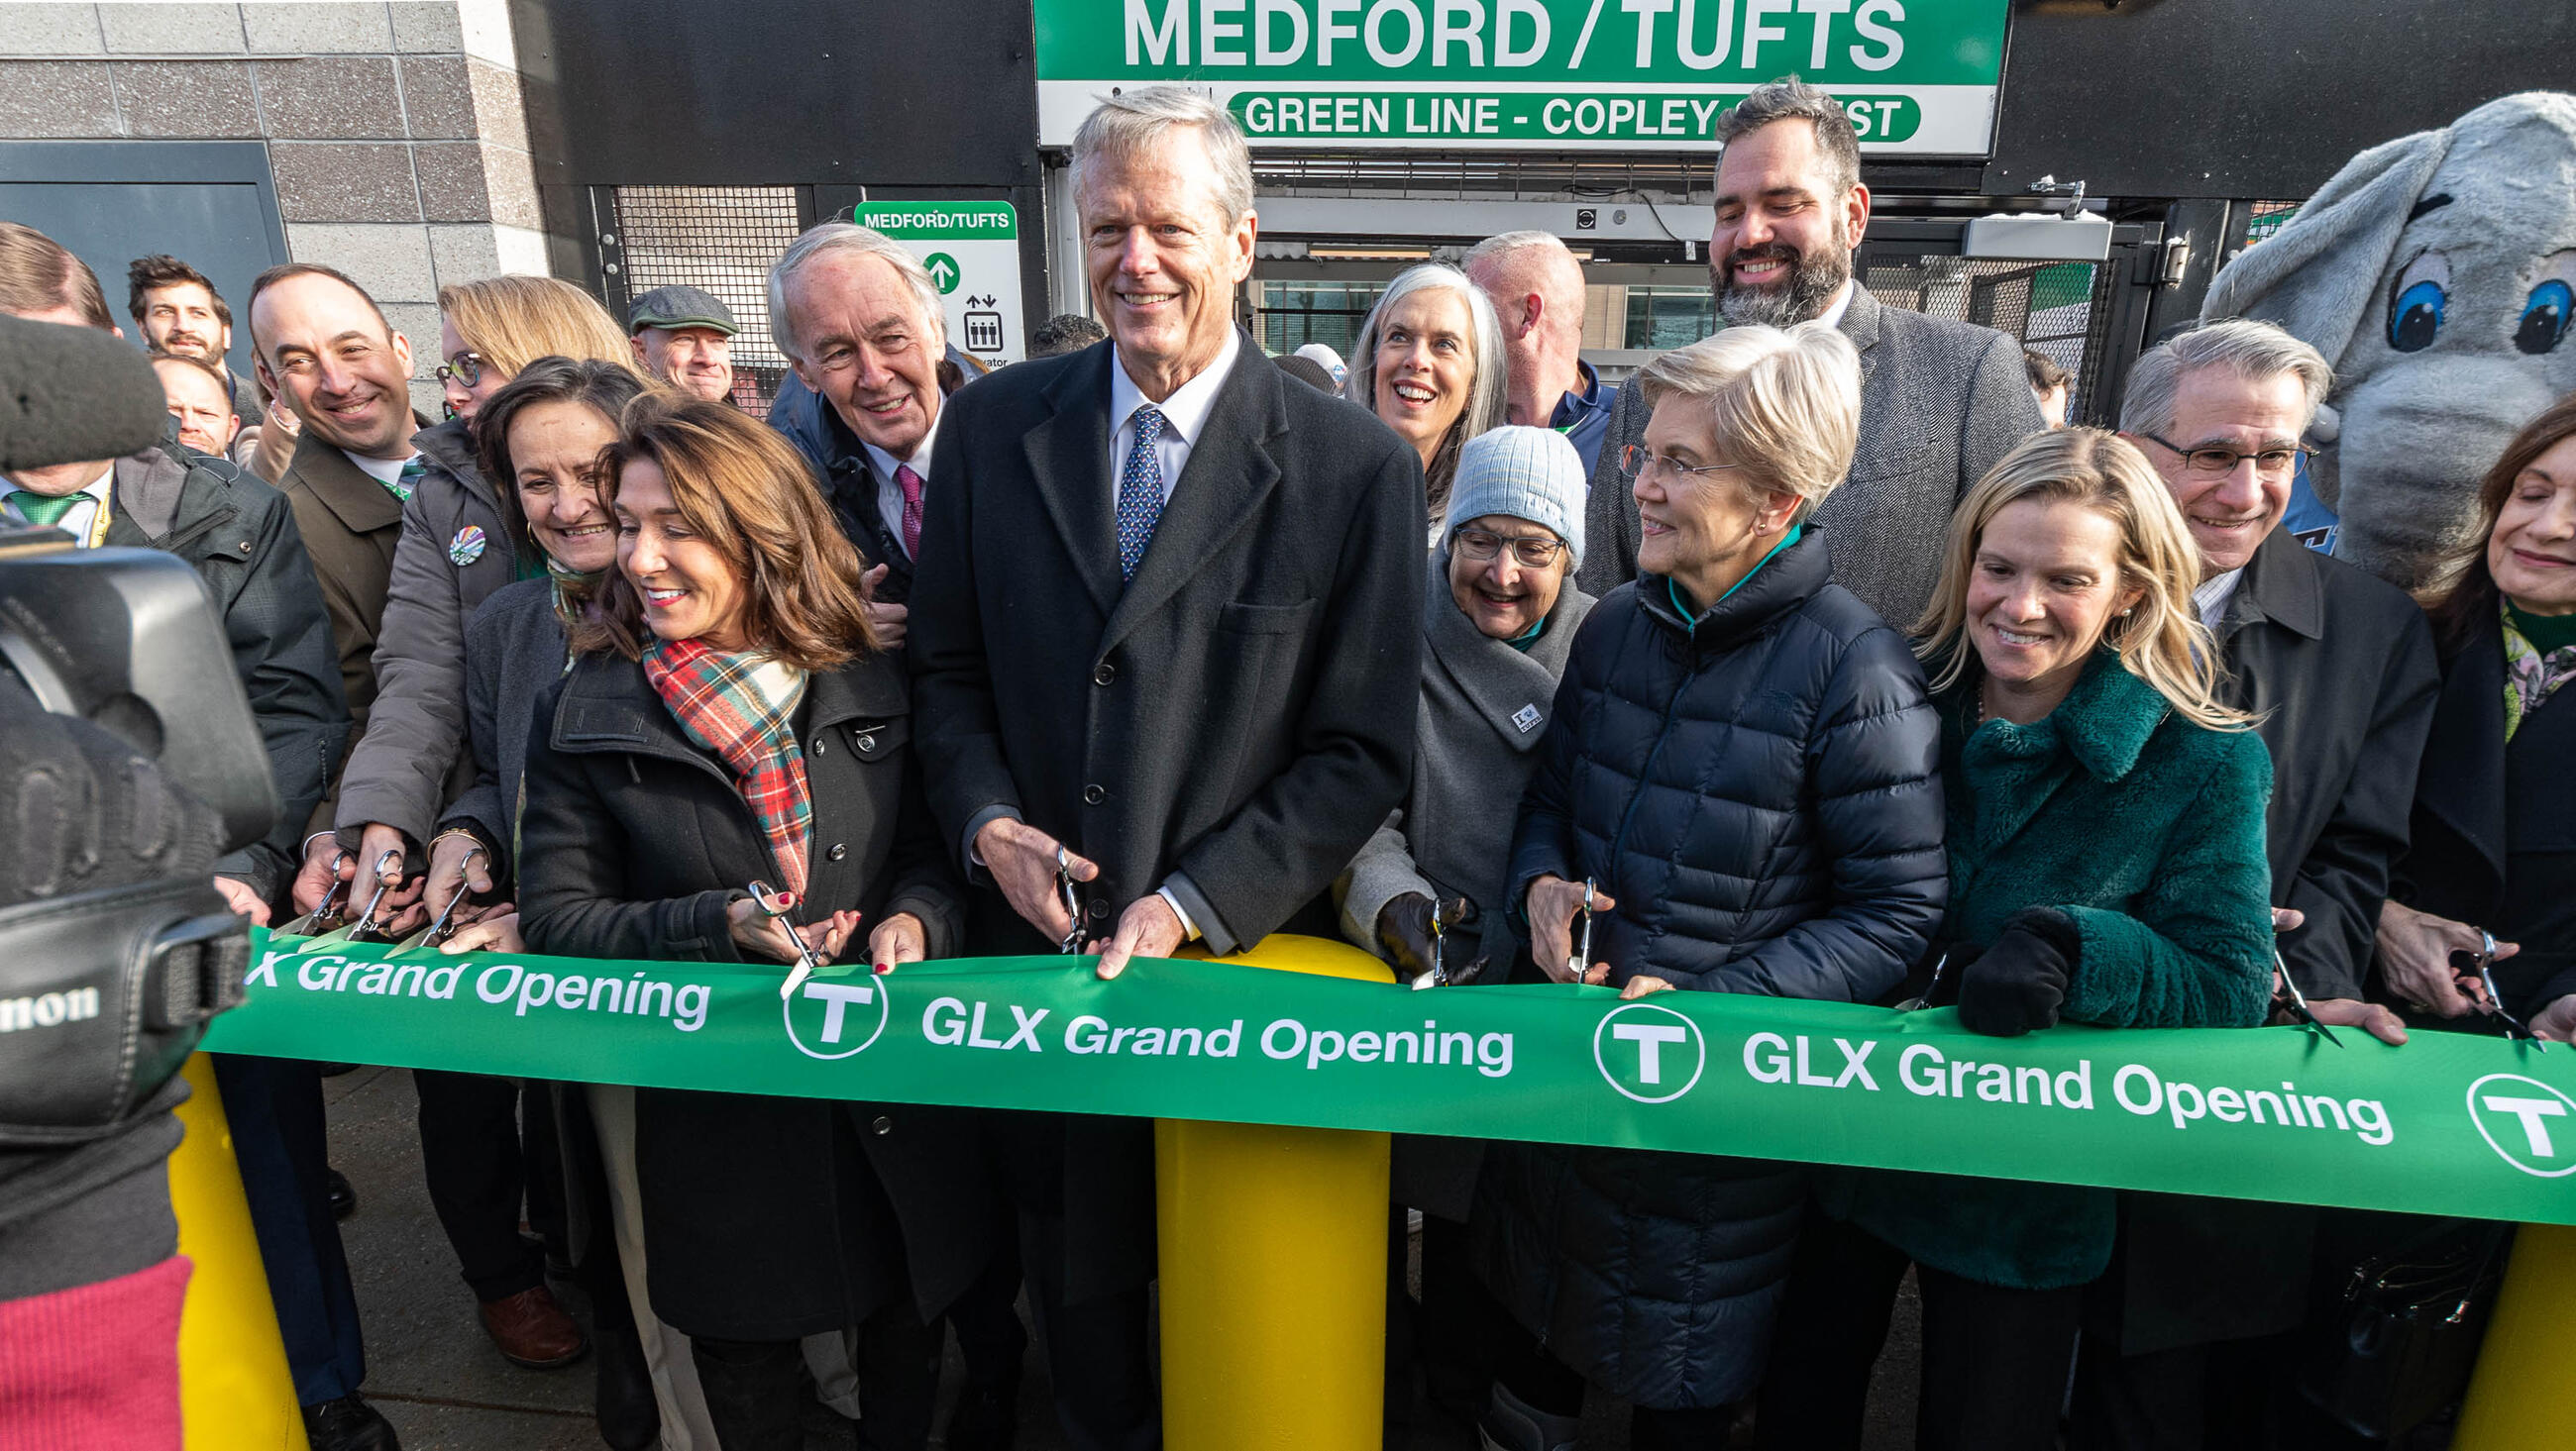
[1941, 401]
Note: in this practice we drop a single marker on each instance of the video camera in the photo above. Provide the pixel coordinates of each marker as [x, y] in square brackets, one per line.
[104, 992]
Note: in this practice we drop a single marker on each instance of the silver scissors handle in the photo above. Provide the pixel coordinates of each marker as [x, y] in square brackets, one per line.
[776, 906]
[367, 923]
[2513, 1027]
[1438, 975]
[1580, 963]
[1071, 895]
[439, 930]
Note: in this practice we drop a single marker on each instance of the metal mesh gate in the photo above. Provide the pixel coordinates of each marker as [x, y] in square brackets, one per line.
[721, 238]
[2057, 308]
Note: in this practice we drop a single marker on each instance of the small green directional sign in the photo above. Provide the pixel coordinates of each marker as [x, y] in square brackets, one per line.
[943, 270]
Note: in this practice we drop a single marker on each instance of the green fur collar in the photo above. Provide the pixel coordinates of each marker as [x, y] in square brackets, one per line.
[2104, 723]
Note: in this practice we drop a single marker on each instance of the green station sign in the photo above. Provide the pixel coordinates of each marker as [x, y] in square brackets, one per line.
[1919, 76]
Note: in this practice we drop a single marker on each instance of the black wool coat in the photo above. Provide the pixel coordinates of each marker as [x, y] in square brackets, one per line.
[2495, 826]
[1233, 722]
[1760, 793]
[2339, 666]
[770, 1218]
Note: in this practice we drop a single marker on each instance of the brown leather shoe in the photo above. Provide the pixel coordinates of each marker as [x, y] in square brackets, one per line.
[533, 1331]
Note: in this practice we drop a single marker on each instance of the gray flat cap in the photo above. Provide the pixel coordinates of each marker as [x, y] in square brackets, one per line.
[681, 306]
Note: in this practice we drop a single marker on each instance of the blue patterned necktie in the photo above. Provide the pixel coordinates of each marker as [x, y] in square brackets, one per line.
[1140, 491]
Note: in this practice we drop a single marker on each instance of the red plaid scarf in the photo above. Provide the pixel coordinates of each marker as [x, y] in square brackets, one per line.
[720, 700]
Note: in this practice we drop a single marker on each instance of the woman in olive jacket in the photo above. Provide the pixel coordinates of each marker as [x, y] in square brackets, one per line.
[2106, 866]
[759, 681]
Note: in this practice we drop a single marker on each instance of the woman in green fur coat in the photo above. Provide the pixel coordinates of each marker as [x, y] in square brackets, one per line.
[2105, 836]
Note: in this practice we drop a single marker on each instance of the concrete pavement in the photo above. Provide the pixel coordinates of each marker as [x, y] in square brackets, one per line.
[438, 1379]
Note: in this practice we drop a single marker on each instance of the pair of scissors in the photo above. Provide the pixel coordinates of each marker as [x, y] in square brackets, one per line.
[2513, 1027]
[1940, 965]
[446, 925]
[1438, 976]
[2287, 997]
[331, 913]
[1072, 898]
[776, 905]
[368, 929]
[1581, 962]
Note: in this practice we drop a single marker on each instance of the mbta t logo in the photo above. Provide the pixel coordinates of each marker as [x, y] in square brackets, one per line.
[2531, 1125]
[835, 1017]
[1651, 1054]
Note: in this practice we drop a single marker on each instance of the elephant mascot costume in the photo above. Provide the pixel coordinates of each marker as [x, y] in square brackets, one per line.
[2437, 273]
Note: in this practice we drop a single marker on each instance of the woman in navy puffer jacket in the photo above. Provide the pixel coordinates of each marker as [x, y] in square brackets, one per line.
[1743, 759]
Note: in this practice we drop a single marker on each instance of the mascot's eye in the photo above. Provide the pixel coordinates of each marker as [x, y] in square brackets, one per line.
[2414, 315]
[2544, 317]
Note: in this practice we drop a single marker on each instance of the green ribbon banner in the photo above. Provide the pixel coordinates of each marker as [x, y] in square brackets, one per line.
[2452, 1123]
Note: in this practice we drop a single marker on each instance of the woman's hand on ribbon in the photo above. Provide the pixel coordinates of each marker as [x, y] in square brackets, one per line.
[769, 939]
[898, 939]
[1552, 903]
[2557, 1022]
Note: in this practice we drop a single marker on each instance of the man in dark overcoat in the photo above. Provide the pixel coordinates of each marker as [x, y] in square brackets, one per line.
[2340, 669]
[1167, 623]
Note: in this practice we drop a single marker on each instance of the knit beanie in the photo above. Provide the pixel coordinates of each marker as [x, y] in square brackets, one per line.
[1524, 473]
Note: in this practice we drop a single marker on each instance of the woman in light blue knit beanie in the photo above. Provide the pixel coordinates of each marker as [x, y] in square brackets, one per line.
[1500, 614]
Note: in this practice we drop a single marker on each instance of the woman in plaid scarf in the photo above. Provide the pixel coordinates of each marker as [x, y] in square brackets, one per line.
[2491, 863]
[731, 718]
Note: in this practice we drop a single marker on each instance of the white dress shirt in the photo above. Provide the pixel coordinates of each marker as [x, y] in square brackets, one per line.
[889, 493]
[78, 519]
[1832, 316]
[1185, 416]
[382, 470]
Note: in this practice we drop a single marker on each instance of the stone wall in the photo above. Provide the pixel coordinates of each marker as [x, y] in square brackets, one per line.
[396, 132]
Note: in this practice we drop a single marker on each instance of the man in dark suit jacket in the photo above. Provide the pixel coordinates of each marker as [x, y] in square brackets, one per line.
[1167, 622]
[1940, 401]
[2340, 668]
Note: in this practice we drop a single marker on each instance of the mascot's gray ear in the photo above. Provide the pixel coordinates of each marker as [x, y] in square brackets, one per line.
[2319, 276]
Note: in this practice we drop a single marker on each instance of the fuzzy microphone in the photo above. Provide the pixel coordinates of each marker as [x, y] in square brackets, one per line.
[73, 394]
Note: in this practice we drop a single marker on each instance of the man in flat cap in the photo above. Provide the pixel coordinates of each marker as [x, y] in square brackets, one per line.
[684, 336]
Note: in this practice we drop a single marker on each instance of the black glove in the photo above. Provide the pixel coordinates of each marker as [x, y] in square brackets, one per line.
[2019, 982]
[1404, 931]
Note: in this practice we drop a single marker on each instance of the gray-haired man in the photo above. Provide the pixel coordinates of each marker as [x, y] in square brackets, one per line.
[1941, 401]
[2339, 667]
[860, 322]
[1170, 627]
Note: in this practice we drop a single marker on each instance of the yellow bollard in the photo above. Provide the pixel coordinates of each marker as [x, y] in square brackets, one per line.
[2515, 1401]
[1274, 1267]
[235, 1391]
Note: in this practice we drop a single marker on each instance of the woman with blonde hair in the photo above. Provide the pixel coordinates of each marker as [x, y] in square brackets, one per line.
[731, 719]
[1737, 782]
[408, 763]
[2105, 839]
[1430, 364]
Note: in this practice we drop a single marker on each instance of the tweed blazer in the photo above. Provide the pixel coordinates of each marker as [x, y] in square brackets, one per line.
[1940, 403]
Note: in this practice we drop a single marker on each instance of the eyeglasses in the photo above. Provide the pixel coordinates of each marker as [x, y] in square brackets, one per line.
[466, 370]
[2212, 461]
[1531, 551]
[1637, 463]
